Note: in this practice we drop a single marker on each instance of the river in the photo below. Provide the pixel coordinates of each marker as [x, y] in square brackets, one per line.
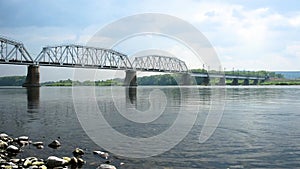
[259, 127]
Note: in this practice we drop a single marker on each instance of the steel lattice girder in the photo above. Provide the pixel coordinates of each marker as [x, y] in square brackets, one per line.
[13, 52]
[159, 63]
[82, 56]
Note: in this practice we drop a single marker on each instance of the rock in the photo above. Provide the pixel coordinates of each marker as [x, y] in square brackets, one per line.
[68, 159]
[5, 137]
[55, 144]
[122, 163]
[73, 161]
[106, 166]
[29, 161]
[53, 161]
[78, 152]
[38, 144]
[12, 149]
[40, 147]
[23, 138]
[3, 145]
[80, 162]
[15, 160]
[23, 143]
[42, 167]
[102, 154]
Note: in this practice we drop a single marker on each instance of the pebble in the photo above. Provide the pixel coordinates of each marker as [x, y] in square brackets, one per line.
[53, 161]
[12, 149]
[102, 154]
[38, 144]
[23, 138]
[78, 152]
[3, 144]
[55, 144]
[106, 166]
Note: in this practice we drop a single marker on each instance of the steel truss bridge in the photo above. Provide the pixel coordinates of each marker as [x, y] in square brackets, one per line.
[78, 56]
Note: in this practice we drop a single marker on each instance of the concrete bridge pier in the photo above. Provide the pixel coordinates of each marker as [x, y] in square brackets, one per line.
[222, 81]
[235, 82]
[130, 78]
[246, 82]
[185, 79]
[255, 82]
[33, 76]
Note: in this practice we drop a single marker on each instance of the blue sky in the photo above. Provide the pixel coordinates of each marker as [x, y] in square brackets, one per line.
[246, 34]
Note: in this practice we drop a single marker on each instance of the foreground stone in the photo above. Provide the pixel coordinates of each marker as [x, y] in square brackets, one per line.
[55, 144]
[106, 166]
[53, 161]
[102, 154]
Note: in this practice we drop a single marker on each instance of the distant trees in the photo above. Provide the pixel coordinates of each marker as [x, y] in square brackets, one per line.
[12, 80]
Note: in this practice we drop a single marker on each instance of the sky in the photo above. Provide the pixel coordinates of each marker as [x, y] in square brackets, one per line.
[246, 34]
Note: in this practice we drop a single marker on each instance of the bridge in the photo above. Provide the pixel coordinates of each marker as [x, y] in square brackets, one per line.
[78, 56]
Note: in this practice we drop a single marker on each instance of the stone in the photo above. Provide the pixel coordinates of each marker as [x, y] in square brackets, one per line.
[106, 166]
[80, 162]
[55, 144]
[40, 147]
[5, 137]
[23, 138]
[3, 145]
[12, 149]
[73, 161]
[78, 152]
[102, 154]
[37, 143]
[53, 161]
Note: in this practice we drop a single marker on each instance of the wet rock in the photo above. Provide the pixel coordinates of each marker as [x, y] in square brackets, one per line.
[15, 160]
[3, 145]
[53, 161]
[102, 154]
[73, 161]
[9, 165]
[55, 144]
[38, 144]
[23, 143]
[29, 161]
[5, 137]
[12, 149]
[23, 138]
[122, 163]
[78, 152]
[106, 166]
[80, 162]
[42, 167]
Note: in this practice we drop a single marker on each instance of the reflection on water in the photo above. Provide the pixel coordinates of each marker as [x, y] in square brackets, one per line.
[131, 93]
[33, 99]
[259, 128]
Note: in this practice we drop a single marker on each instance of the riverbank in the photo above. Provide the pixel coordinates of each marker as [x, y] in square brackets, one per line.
[11, 150]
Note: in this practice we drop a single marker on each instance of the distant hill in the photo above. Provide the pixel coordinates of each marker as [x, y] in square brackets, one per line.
[12, 80]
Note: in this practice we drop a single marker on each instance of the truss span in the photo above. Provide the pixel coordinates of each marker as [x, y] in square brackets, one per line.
[82, 56]
[13, 52]
[157, 63]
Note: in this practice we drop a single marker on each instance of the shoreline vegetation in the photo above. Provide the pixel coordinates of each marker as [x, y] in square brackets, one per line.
[163, 80]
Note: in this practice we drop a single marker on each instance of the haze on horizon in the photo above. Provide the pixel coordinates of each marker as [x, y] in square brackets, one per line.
[247, 35]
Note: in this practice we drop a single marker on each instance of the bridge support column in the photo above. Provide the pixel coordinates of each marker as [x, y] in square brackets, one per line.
[33, 77]
[246, 82]
[130, 79]
[205, 81]
[222, 81]
[186, 79]
[235, 82]
[255, 82]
